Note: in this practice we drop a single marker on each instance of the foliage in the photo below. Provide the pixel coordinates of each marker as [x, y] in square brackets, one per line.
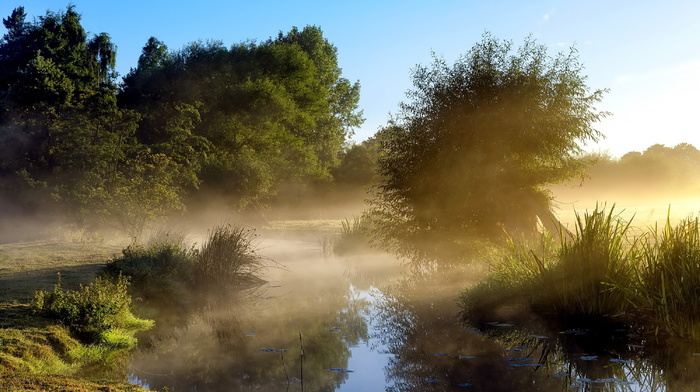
[242, 122]
[669, 171]
[358, 164]
[469, 155]
[269, 114]
[66, 146]
[93, 310]
[158, 273]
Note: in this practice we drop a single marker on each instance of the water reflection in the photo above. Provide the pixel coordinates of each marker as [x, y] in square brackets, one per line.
[256, 344]
[365, 326]
[433, 352]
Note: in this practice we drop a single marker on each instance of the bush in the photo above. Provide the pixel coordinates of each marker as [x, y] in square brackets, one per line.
[161, 272]
[92, 310]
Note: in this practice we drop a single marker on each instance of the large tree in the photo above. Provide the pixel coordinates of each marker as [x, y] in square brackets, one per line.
[272, 115]
[64, 143]
[470, 155]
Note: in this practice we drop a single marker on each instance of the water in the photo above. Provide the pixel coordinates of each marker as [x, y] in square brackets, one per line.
[360, 324]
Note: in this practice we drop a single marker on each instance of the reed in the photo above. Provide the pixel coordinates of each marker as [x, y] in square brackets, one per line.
[650, 280]
[572, 279]
[669, 279]
[354, 236]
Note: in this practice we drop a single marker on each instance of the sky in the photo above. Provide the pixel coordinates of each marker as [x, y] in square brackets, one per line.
[647, 53]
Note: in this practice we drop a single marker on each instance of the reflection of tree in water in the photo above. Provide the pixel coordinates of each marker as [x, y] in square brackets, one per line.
[419, 323]
[603, 357]
[244, 346]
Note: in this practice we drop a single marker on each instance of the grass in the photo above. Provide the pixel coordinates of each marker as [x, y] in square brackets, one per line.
[354, 237]
[168, 272]
[606, 272]
[668, 279]
[38, 353]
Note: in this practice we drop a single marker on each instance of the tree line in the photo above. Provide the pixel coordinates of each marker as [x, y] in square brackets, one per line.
[244, 122]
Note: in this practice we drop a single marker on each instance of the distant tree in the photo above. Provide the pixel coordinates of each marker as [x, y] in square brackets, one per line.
[469, 156]
[358, 164]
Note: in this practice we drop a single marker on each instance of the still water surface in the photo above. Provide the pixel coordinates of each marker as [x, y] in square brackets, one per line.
[362, 323]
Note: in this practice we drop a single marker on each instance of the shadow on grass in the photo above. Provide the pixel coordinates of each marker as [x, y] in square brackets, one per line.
[20, 286]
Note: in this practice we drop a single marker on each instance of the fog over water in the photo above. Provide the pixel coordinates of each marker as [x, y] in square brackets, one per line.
[366, 323]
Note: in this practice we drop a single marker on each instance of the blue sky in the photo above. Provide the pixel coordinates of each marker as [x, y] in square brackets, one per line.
[646, 52]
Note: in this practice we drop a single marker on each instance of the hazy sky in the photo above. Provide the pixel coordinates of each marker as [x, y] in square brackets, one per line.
[646, 52]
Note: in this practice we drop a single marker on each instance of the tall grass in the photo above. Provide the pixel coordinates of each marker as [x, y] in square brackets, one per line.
[354, 235]
[228, 257]
[669, 279]
[651, 280]
[599, 258]
[167, 271]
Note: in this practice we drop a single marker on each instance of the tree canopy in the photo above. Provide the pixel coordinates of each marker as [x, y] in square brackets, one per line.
[469, 155]
[272, 113]
[242, 122]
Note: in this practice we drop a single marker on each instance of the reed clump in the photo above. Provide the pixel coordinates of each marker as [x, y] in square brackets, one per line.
[650, 280]
[354, 235]
[169, 271]
[668, 283]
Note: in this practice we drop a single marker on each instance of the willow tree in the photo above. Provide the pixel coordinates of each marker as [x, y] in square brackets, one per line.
[470, 155]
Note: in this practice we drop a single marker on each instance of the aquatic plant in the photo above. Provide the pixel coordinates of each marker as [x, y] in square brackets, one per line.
[650, 280]
[228, 257]
[577, 278]
[597, 259]
[354, 236]
[669, 279]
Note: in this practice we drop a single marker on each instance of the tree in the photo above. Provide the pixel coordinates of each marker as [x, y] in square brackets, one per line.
[271, 115]
[64, 143]
[469, 156]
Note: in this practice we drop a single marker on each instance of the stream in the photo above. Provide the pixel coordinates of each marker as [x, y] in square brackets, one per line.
[361, 323]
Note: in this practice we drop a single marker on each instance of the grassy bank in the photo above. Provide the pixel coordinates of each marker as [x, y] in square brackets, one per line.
[40, 353]
[609, 272]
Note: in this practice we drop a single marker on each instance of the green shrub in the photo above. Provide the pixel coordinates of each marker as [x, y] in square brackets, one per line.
[161, 272]
[169, 273]
[92, 310]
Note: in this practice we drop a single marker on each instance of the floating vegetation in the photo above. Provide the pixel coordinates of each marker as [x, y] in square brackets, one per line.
[340, 370]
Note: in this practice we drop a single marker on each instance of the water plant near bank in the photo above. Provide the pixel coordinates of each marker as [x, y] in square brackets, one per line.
[605, 272]
[168, 271]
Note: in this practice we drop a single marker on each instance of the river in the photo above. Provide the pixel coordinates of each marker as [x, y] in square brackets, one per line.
[363, 323]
